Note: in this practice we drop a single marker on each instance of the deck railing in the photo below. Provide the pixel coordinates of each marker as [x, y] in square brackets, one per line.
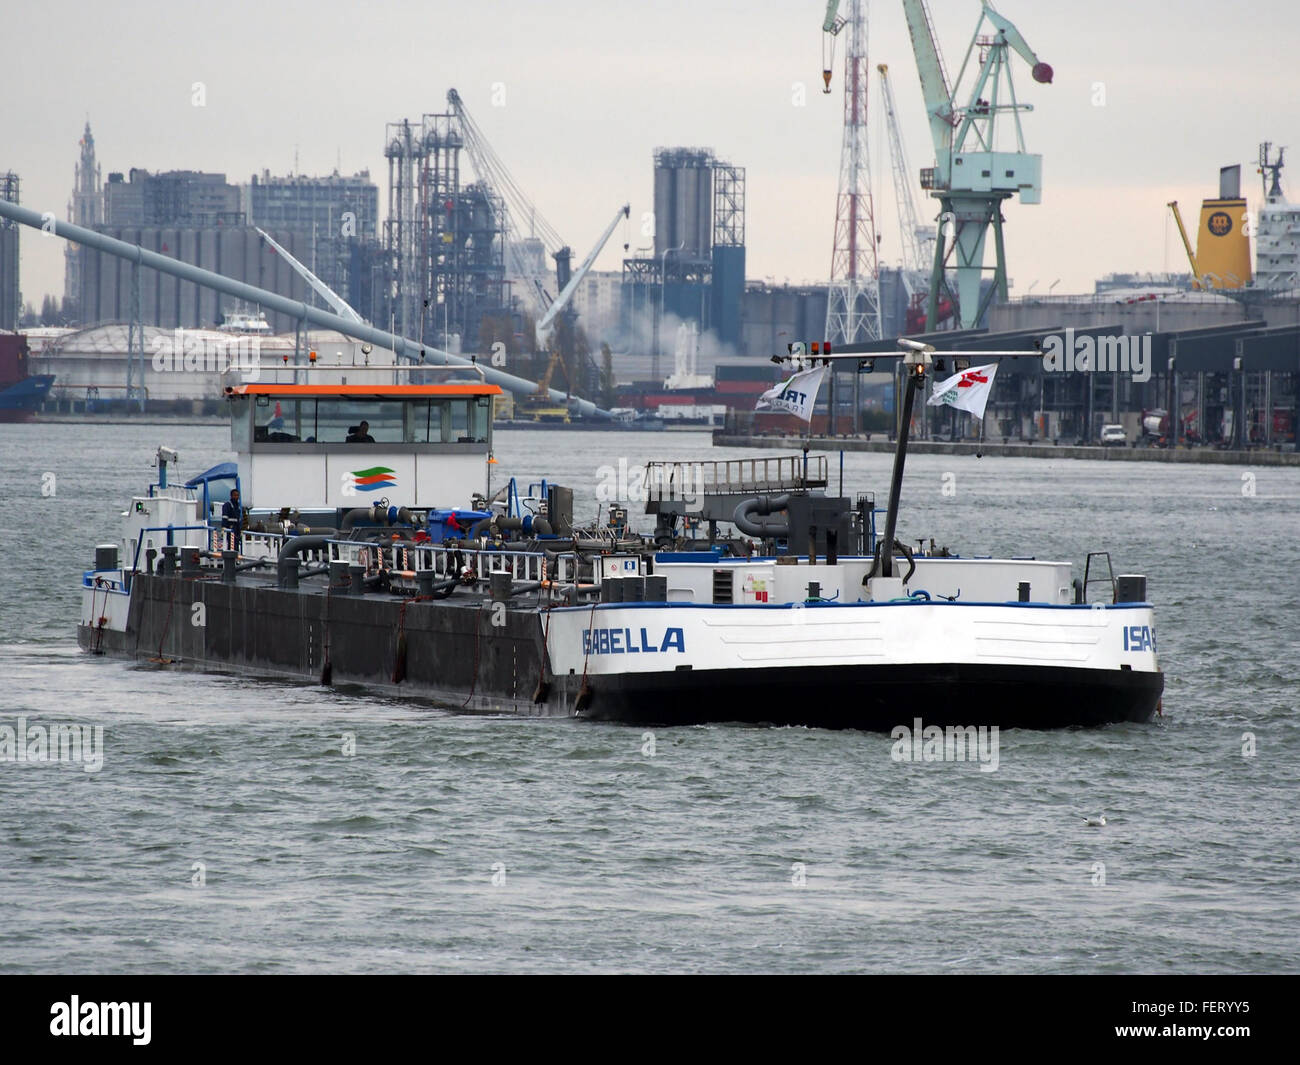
[668, 481]
[405, 558]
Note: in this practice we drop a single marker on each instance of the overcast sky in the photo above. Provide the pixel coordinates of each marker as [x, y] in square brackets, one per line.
[590, 89]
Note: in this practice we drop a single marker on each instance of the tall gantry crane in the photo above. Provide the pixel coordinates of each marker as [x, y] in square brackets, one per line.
[917, 239]
[521, 212]
[971, 178]
[491, 168]
[853, 298]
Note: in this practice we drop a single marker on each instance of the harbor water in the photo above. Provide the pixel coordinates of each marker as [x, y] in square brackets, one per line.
[249, 826]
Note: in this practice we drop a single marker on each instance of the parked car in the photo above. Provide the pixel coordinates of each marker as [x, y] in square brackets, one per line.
[1113, 436]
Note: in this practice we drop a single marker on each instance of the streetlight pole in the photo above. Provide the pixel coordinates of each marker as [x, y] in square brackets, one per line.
[1171, 387]
[1040, 429]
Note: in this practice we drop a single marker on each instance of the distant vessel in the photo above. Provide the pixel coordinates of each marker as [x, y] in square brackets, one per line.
[1277, 237]
[20, 392]
[246, 323]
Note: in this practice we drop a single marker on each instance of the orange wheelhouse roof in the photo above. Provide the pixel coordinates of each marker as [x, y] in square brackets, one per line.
[396, 391]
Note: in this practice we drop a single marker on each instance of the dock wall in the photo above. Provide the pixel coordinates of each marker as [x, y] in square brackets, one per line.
[1203, 455]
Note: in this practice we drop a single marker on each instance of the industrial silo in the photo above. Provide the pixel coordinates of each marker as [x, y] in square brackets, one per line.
[684, 202]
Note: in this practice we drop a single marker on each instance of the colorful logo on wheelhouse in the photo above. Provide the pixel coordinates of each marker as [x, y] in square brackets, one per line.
[374, 478]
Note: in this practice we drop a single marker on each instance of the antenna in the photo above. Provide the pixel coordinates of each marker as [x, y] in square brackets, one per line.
[1271, 171]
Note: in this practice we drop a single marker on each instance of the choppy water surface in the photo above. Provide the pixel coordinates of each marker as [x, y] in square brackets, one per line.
[463, 843]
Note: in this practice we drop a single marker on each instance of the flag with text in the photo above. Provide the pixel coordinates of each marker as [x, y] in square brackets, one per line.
[796, 395]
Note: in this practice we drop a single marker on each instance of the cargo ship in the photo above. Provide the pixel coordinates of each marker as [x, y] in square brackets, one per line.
[369, 546]
[21, 392]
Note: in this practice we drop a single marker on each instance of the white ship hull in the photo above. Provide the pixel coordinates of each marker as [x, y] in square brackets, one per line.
[865, 665]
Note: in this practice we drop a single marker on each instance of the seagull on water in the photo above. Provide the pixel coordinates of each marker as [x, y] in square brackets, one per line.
[1095, 822]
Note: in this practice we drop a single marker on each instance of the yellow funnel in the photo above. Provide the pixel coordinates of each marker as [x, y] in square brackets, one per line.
[1223, 244]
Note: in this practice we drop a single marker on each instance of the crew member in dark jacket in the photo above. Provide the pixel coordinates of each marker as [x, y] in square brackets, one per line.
[361, 436]
[232, 519]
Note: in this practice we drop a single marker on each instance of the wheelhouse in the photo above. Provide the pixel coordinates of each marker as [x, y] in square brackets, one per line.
[314, 446]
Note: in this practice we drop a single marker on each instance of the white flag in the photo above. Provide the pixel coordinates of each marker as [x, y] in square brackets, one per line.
[968, 390]
[795, 395]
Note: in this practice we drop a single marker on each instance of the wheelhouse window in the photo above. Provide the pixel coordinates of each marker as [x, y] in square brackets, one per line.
[480, 417]
[339, 420]
[240, 436]
[360, 420]
[449, 421]
[277, 420]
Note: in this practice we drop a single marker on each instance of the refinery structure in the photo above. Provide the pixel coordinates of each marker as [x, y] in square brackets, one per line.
[446, 247]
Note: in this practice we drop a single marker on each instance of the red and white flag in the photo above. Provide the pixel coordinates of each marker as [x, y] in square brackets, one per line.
[967, 390]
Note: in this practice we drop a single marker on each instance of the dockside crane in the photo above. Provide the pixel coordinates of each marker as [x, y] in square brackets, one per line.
[337, 303]
[1187, 244]
[917, 240]
[546, 326]
[521, 212]
[971, 178]
[491, 168]
[831, 26]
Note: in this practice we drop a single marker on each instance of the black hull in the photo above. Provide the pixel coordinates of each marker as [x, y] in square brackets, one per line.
[448, 653]
[875, 697]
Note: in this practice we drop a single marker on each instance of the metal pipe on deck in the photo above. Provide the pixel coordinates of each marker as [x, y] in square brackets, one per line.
[400, 346]
[294, 546]
[743, 519]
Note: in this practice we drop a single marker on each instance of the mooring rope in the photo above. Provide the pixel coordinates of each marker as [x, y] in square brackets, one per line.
[473, 681]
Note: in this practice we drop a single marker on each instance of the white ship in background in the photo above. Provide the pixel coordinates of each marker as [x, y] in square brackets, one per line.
[1277, 235]
[245, 323]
